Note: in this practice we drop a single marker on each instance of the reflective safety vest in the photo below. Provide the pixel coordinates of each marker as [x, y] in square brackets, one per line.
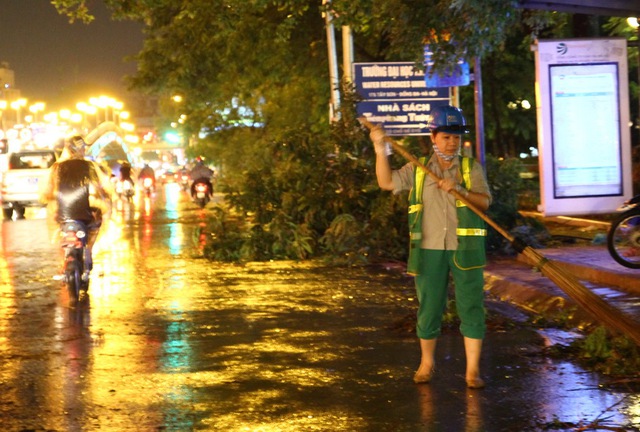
[471, 230]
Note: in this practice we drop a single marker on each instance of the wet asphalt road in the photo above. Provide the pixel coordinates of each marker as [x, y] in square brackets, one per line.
[171, 341]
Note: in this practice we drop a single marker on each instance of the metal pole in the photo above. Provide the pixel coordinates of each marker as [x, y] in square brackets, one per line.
[479, 118]
[638, 48]
[347, 54]
[333, 65]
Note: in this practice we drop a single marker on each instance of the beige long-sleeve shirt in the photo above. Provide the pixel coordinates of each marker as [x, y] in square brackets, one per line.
[439, 218]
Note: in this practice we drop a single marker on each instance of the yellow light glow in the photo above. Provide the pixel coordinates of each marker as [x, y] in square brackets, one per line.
[37, 107]
[134, 139]
[51, 117]
[129, 127]
[98, 102]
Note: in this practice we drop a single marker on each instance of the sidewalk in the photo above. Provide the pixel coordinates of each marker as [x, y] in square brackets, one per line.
[515, 280]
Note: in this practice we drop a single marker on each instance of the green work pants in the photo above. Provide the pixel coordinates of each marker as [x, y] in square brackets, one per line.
[431, 285]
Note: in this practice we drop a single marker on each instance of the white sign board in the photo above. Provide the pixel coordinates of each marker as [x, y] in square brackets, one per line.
[584, 139]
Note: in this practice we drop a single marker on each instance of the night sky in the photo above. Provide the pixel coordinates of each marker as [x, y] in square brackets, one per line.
[54, 60]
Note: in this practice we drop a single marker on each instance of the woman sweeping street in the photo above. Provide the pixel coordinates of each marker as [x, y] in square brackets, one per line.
[446, 237]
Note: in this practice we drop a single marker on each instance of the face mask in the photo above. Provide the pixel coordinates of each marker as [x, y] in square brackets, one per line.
[443, 156]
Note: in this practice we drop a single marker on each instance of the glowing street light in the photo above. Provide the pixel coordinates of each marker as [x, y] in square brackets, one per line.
[51, 118]
[87, 110]
[64, 114]
[123, 115]
[3, 107]
[129, 127]
[36, 108]
[17, 105]
[99, 102]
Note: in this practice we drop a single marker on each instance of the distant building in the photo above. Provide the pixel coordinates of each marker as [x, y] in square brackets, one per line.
[8, 90]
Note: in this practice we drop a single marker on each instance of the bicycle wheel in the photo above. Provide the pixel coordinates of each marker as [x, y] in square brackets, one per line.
[623, 239]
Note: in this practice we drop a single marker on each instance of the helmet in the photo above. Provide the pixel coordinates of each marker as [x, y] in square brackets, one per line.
[75, 144]
[199, 159]
[447, 118]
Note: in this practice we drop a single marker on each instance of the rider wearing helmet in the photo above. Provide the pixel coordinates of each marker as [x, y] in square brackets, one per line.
[125, 171]
[200, 173]
[446, 237]
[147, 171]
[78, 190]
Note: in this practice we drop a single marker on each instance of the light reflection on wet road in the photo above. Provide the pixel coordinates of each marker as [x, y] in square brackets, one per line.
[171, 341]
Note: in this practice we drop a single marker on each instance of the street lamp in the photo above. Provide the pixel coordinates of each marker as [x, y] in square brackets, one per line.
[64, 114]
[128, 127]
[100, 102]
[86, 111]
[3, 107]
[116, 107]
[35, 109]
[51, 118]
[123, 115]
[16, 105]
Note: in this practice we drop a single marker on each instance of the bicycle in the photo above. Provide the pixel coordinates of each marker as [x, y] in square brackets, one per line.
[623, 238]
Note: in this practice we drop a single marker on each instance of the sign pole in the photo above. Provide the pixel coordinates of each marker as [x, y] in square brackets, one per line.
[479, 115]
[333, 65]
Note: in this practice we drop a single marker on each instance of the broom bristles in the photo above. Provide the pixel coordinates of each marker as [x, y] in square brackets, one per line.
[609, 316]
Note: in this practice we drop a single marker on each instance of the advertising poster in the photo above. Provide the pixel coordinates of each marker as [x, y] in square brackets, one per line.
[583, 125]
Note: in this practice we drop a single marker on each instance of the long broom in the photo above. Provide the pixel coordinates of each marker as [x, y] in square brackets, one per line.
[602, 311]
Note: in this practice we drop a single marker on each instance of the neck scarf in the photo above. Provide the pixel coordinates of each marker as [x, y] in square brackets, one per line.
[447, 158]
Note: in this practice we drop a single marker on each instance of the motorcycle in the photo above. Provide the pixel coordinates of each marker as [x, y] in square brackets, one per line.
[184, 181]
[201, 193]
[147, 186]
[125, 189]
[73, 241]
[623, 238]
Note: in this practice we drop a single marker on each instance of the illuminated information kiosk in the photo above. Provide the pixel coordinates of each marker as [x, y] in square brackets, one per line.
[584, 139]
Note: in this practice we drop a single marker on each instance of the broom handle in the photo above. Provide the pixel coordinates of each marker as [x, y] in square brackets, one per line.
[411, 158]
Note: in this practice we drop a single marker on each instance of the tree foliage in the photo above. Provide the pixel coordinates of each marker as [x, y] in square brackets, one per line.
[254, 78]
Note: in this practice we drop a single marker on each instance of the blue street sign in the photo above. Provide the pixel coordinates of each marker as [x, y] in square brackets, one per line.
[395, 95]
[400, 118]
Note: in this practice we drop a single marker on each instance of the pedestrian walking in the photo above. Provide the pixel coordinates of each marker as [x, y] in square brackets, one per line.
[446, 237]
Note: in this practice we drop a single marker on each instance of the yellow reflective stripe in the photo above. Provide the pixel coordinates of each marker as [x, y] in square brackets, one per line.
[414, 208]
[471, 232]
[466, 171]
[460, 204]
[415, 236]
[420, 175]
[457, 264]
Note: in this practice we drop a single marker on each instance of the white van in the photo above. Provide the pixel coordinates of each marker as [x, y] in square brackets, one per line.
[23, 179]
